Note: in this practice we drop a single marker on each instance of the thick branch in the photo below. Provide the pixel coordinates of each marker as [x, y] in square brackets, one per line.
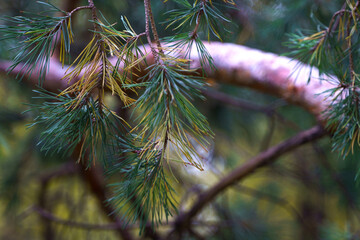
[240, 66]
[269, 73]
[263, 159]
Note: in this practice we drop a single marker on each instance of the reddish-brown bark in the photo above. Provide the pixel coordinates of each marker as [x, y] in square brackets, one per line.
[240, 66]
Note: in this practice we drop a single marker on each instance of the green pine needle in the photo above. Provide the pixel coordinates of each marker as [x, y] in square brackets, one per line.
[168, 116]
[144, 194]
[37, 36]
[93, 131]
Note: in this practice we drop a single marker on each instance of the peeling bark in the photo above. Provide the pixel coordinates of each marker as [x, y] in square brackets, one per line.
[240, 66]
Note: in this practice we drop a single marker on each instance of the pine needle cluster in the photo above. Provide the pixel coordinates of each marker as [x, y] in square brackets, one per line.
[205, 19]
[37, 37]
[334, 50]
[168, 129]
[145, 194]
[167, 114]
[66, 127]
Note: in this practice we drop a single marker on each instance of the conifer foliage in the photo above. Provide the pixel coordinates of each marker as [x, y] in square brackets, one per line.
[168, 128]
[333, 50]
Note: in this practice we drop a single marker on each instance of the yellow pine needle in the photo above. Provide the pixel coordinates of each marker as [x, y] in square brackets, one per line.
[62, 50]
[200, 144]
[187, 17]
[114, 33]
[116, 89]
[187, 155]
[146, 152]
[181, 134]
[33, 39]
[230, 2]
[103, 57]
[88, 79]
[69, 31]
[215, 32]
[128, 24]
[36, 31]
[62, 42]
[123, 120]
[314, 36]
[84, 53]
[136, 62]
[353, 140]
[81, 149]
[341, 33]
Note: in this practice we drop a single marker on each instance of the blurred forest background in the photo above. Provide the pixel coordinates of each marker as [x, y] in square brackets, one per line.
[309, 193]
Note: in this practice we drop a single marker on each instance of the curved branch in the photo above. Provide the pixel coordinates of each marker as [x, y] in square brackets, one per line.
[240, 66]
[269, 73]
[263, 159]
[54, 75]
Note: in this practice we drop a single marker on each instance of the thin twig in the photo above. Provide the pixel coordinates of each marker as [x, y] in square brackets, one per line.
[194, 33]
[263, 159]
[265, 196]
[100, 84]
[153, 27]
[269, 110]
[50, 217]
[147, 31]
[150, 19]
[237, 102]
[332, 25]
[79, 8]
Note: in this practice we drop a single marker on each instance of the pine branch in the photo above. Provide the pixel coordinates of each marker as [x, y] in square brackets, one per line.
[38, 35]
[81, 116]
[206, 17]
[148, 18]
[335, 55]
[229, 59]
[279, 76]
[78, 119]
[265, 158]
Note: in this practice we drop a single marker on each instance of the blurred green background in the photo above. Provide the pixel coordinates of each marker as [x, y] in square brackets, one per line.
[307, 194]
